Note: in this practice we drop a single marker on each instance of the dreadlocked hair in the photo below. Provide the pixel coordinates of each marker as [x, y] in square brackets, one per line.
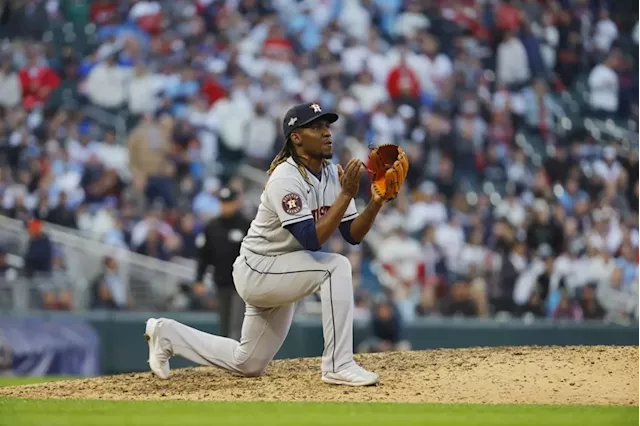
[286, 152]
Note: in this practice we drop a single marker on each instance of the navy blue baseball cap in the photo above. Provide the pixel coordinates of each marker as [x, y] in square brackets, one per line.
[303, 114]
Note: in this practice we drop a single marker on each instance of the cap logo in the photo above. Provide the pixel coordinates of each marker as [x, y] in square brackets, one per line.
[292, 121]
[316, 108]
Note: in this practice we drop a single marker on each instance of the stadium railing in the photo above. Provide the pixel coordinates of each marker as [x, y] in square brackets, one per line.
[109, 120]
[150, 281]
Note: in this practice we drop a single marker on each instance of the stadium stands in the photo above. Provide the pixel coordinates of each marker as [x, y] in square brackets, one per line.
[120, 120]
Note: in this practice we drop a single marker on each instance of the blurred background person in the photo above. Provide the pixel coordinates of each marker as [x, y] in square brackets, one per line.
[108, 290]
[386, 329]
[38, 259]
[219, 246]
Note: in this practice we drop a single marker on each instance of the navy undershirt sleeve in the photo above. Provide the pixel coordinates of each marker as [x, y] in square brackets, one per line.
[305, 233]
[345, 230]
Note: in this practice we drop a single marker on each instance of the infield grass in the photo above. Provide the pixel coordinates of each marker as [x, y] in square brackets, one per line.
[21, 380]
[20, 412]
[155, 413]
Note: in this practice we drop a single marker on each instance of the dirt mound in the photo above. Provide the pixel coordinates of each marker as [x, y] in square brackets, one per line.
[537, 375]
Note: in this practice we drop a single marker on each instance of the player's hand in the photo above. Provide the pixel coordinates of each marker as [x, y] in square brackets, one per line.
[350, 177]
[376, 198]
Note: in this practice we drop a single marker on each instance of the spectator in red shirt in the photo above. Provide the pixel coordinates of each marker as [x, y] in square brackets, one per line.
[212, 89]
[507, 16]
[38, 80]
[402, 81]
[103, 12]
[277, 46]
[467, 15]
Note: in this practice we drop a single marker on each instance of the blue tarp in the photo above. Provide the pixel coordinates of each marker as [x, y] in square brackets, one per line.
[37, 347]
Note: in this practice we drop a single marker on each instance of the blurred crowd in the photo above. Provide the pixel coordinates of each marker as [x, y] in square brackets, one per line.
[123, 119]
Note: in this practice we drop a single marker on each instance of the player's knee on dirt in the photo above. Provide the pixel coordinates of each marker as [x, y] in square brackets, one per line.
[249, 363]
[255, 370]
[253, 367]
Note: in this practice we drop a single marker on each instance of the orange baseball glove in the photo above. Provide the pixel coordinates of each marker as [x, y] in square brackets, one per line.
[388, 168]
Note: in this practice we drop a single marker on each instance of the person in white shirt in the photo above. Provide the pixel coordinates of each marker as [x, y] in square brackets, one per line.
[355, 20]
[113, 155]
[262, 137]
[426, 209]
[566, 266]
[152, 220]
[402, 254]
[79, 150]
[474, 255]
[603, 87]
[517, 171]
[525, 285]
[9, 85]
[142, 8]
[354, 57]
[411, 21]
[387, 126]
[606, 32]
[512, 209]
[232, 115]
[608, 168]
[205, 123]
[512, 63]
[550, 38]
[107, 84]
[143, 90]
[450, 238]
[440, 67]
[376, 62]
[368, 93]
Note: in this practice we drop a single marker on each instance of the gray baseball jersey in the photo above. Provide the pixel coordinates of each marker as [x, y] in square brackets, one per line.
[288, 199]
[272, 273]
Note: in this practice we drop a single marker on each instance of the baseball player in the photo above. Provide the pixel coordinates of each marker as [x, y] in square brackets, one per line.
[306, 199]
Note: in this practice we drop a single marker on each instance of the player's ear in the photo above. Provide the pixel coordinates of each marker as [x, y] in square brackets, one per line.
[295, 139]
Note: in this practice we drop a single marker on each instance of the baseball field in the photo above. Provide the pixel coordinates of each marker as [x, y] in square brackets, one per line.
[596, 385]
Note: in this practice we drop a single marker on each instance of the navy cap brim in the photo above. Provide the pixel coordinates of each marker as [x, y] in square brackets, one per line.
[331, 117]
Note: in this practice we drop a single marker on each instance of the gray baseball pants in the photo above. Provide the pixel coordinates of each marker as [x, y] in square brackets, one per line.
[231, 310]
[270, 287]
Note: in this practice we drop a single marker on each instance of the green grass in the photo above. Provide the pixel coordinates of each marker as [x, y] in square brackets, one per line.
[18, 412]
[155, 413]
[20, 380]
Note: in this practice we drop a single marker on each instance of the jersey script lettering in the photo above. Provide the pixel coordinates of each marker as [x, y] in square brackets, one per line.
[318, 213]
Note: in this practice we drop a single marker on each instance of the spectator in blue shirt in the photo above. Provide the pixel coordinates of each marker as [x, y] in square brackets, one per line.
[571, 195]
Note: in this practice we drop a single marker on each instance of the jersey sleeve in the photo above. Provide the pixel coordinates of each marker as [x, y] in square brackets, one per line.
[287, 199]
[351, 212]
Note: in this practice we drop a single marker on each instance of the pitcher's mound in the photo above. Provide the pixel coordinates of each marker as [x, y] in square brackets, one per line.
[536, 375]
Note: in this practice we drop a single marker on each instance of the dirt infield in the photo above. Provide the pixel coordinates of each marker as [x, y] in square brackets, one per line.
[536, 375]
